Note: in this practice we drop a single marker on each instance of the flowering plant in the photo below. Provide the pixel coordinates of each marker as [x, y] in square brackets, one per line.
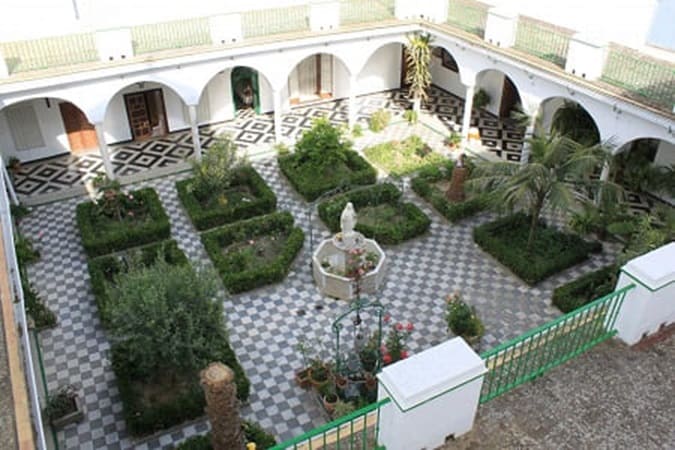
[114, 203]
[360, 262]
[394, 347]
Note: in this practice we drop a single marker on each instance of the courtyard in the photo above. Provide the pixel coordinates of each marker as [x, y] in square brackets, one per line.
[265, 325]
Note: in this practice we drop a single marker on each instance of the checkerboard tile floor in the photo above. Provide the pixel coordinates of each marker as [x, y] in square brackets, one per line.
[266, 324]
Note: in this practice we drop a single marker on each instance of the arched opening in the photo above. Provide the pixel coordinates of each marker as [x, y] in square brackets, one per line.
[245, 89]
[496, 93]
[316, 77]
[44, 128]
[646, 166]
[569, 118]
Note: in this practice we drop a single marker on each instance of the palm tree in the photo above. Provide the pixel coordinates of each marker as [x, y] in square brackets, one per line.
[557, 168]
[573, 121]
[418, 58]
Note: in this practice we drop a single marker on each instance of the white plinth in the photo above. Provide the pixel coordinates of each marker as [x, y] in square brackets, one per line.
[651, 304]
[434, 395]
[586, 56]
[324, 15]
[114, 45]
[501, 26]
[225, 29]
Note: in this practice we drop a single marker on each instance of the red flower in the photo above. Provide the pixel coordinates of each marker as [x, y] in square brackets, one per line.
[404, 354]
[383, 349]
[387, 318]
[409, 326]
[386, 358]
[399, 326]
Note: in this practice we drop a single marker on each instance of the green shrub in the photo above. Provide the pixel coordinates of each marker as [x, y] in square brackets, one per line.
[411, 116]
[103, 269]
[379, 120]
[102, 234]
[311, 180]
[215, 211]
[42, 316]
[585, 289]
[552, 251]
[166, 324]
[424, 185]
[237, 275]
[357, 130]
[214, 173]
[413, 222]
[481, 99]
[26, 254]
[322, 145]
[462, 319]
[403, 157]
[252, 432]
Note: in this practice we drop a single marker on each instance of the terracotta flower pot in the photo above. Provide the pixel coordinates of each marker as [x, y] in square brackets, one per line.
[329, 401]
[302, 378]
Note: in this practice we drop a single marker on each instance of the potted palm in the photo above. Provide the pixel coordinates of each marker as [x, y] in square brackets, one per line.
[463, 321]
[64, 407]
[453, 140]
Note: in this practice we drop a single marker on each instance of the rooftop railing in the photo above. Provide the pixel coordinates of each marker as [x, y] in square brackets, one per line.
[169, 35]
[469, 15]
[543, 40]
[640, 77]
[39, 54]
[365, 11]
[268, 22]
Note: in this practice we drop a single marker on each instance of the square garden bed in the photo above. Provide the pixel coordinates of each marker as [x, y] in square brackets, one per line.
[403, 157]
[254, 252]
[432, 184]
[585, 289]
[312, 180]
[381, 215]
[248, 196]
[141, 220]
[103, 269]
[552, 251]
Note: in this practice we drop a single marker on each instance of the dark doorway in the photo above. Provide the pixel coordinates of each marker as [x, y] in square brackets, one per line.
[81, 133]
[245, 89]
[146, 114]
[510, 98]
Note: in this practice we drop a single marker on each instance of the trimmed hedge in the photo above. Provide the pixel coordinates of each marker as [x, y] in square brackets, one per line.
[307, 180]
[265, 201]
[275, 271]
[415, 224]
[252, 432]
[552, 251]
[585, 289]
[187, 404]
[101, 235]
[103, 268]
[423, 185]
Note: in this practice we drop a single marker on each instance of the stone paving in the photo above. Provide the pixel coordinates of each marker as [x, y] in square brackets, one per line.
[612, 397]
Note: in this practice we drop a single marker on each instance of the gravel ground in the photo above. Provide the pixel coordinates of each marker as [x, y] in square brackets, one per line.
[612, 397]
[7, 426]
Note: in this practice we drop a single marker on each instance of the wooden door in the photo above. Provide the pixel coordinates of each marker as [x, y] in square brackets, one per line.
[81, 133]
[139, 116]
[404, 66]
[510, 98]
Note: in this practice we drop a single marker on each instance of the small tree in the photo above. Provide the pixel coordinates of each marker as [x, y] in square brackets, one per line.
[323, 145]
[214, 173]
[418, 75]
[559, 167]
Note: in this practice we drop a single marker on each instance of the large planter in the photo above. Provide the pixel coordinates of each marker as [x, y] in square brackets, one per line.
[74, 417]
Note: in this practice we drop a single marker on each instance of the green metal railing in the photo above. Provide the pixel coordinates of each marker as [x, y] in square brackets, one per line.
[543, 40]
[364, 11]
[358, 430]
[536, 352]
[38, 54]
[641, 77]
[469, 15]
[170, 35]
[267, 22]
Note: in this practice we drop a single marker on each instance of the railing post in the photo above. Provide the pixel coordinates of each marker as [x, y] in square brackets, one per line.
[586, 57]
[324, 15]
[4, 70]
[114, 45]
[225, 29]
[650, 305]
[501, 26]
[434, 395]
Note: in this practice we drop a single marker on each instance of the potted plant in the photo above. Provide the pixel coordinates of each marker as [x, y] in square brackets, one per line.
[329, 398]
[319, 373]
[302, 378]
[453, 140]
[341, 382]
[342, 408]
[462, 320]
[64, 407]
[481, 99]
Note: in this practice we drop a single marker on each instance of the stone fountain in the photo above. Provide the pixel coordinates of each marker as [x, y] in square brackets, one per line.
[335, 257]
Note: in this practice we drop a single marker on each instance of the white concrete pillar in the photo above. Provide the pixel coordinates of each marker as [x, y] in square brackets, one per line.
[114, 45]
[586, 56]
[352, 106]
[650, 305]
[434, 395]
[103, 146]
[501, 26]
[468, 106]
[10, 186]
[196, 142]
[324, 15]
[276, 96]
[225, 29]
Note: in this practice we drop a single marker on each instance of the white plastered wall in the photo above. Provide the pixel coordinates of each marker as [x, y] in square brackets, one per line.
[51, 128]
[446, 78]
[665, 155]
[382, 72]
[492, 82]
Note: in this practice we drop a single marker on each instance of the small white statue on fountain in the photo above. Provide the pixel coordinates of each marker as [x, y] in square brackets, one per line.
[347, 223]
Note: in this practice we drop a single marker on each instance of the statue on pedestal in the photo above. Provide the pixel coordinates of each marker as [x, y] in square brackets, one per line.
[347, 224]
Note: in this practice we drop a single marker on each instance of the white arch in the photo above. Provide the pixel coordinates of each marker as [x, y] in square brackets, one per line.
[301, 56]
[564, 98]
[64, 98]
[361, 59]
[230, 66]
